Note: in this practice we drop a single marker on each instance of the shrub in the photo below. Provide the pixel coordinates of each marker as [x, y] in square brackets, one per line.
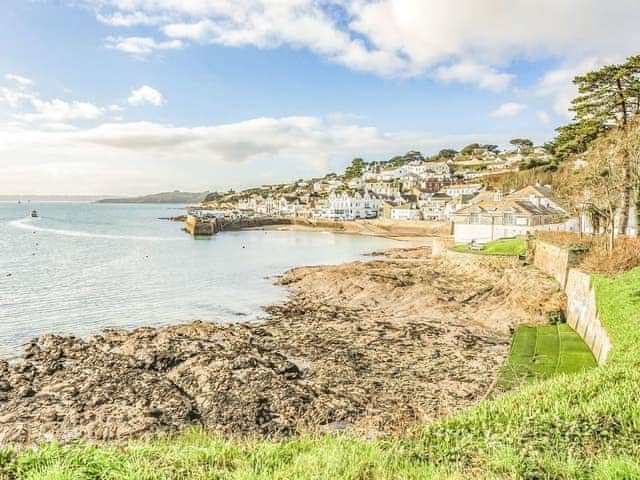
[625, 256]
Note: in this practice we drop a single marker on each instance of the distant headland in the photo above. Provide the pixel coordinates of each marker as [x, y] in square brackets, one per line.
[165, 197]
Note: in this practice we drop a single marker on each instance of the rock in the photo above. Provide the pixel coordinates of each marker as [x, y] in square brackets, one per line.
[371, 347]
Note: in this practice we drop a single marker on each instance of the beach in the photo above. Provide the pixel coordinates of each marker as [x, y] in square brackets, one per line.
[374, 347]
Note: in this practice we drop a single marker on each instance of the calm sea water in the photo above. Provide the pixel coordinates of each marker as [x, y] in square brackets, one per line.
[83, 267]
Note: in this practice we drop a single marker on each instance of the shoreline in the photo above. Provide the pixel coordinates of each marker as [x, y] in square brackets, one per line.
[374, 347]
[416, 233]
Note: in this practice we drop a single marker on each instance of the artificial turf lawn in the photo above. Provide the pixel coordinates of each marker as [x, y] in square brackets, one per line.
[541, 351]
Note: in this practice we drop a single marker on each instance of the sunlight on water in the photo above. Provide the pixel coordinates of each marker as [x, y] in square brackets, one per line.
[83, 267]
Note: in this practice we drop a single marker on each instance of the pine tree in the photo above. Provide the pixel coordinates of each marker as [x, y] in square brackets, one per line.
[607, 98]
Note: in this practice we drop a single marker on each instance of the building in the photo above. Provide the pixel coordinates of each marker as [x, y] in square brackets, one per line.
[462, 189]
[405, 212]
[434, 206]
[388, 188]
[346, 206]
[528, 209]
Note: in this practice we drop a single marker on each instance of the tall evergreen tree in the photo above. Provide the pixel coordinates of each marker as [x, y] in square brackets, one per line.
[607, 98]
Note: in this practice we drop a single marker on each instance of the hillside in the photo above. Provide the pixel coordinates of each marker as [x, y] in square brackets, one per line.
[164, 197]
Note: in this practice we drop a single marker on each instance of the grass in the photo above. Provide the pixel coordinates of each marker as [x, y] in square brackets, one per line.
[505, 246]
[539, 352]
[584, 425]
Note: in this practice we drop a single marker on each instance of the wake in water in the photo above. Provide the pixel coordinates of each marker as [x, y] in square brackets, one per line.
[28, 224]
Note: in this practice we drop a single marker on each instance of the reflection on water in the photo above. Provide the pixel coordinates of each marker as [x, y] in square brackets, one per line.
[82, 267]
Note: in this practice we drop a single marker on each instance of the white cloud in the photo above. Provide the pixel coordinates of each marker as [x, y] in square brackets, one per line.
[394, 37]
[509, 109]
[13, 98]
[23, 81]
[60, 111]
[147, 156]
[119, 19]
[543, 117]
[141, 45]
[468, 72]
[146, 94]
[558, 84]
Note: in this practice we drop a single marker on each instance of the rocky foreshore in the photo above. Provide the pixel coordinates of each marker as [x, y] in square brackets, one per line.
[374, 346]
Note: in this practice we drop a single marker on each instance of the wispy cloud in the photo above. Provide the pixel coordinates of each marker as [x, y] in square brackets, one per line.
[141, 45]
[509, 109]
[23, 81]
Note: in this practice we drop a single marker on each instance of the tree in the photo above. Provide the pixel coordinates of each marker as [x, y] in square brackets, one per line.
[491, 148]
[469, 149]
[607, 98]
[523, 145]
[596, 188]
[447, 153]
[355, 169]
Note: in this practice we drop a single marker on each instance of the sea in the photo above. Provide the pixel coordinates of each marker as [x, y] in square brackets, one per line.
[82, 267]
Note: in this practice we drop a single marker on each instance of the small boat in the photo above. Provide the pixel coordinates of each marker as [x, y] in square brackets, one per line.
[34, 214]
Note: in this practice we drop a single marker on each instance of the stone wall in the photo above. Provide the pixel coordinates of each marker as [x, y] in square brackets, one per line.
[582, 309]
[582, 314]
[553, 261]
[465, 233]
[197, 227]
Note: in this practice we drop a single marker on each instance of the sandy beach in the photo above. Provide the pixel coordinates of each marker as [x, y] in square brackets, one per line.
[415, 233]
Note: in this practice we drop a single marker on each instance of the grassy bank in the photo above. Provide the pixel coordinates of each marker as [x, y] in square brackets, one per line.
[506, 246]
[583, 425]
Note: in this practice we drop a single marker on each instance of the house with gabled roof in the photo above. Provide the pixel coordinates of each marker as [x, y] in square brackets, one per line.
[521, 212]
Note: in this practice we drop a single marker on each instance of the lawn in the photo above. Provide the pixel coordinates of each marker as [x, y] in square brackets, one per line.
[539, 352]
[583, 425]
[505, 246]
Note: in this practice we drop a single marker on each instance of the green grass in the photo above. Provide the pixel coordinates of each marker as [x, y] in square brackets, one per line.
[505, 246]
[539, 352]
[584, 425]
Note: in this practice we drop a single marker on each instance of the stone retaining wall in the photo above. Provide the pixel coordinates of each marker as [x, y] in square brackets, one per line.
[582, 314]
[555, 261]
[582, 309]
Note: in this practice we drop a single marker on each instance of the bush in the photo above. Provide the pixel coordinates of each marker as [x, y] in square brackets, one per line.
[555, 317]
[625, 256]
[570, 240]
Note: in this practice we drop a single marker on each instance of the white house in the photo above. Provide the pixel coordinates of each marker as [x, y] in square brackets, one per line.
[389, 188]
[519, 213]
[462, 189]
[356, 183]
[405, 212]
[346, 206]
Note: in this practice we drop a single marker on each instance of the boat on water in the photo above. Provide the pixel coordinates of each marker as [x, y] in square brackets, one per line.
[34, 214]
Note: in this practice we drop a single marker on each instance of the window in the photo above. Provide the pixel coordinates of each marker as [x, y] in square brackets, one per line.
[474, 218]
[507, 219]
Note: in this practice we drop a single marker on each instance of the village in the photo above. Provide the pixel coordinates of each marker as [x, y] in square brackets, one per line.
[449, 188]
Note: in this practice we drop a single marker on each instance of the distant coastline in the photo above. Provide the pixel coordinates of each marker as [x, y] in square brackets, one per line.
[164, 197]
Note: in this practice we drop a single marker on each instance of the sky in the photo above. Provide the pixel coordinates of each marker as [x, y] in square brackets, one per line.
[126, 97]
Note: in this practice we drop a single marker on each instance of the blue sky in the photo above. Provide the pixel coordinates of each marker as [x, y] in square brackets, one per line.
[135, 96]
